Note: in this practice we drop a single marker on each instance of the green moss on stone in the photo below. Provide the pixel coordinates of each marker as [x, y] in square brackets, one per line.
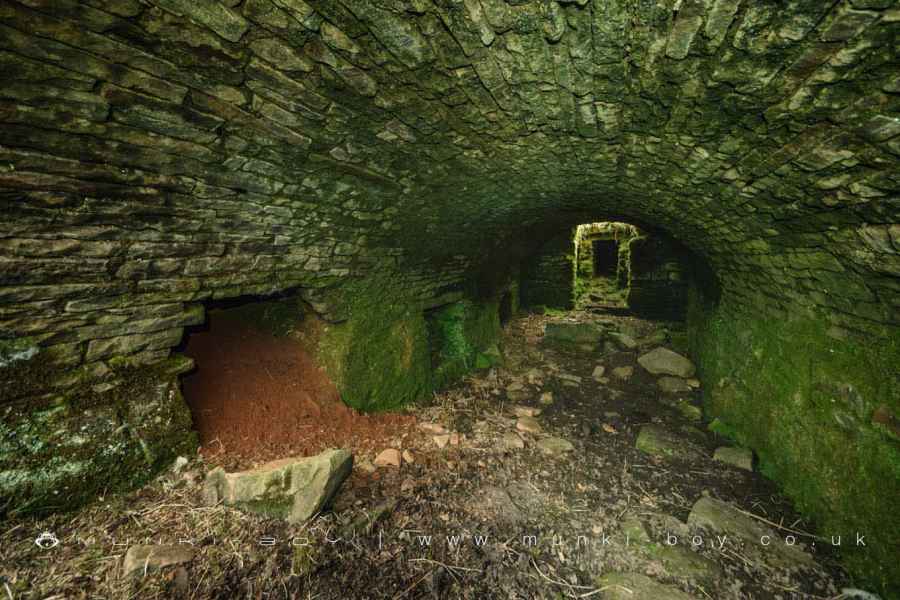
[804, 402]
[378, 357]
[60, 451]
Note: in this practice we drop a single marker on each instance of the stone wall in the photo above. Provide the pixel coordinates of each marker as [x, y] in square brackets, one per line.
[658, 278]
[157, 154]
[548, 277]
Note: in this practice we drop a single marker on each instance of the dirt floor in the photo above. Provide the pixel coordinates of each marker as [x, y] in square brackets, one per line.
[496, 513]
[256, 397]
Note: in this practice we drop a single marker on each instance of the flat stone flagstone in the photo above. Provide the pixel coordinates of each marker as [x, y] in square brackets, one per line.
[636, 586]
[659, 441]
[741, 458]
[293, 489]
[555, 445]
[760, 540]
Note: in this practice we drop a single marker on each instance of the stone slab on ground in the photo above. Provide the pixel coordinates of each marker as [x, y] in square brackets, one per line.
[528, 425]
[555, 445]
[673, 385]
[659, 441]
[293, 489]
[662, 361]
[623, 373]
[390, 457]
[624, 340]
[511, 441]
[575, 333]
[716, 515]
[147, 558]
[496, 503]
[742, 458]
[678, 560]
[636, 586]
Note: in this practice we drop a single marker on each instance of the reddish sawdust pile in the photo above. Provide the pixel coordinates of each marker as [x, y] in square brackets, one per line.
[256, 397]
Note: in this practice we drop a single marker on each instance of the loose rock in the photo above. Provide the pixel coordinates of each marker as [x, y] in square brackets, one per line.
[528, 425]
[293, 489]
[717, 515]
[673, 385]
[658, 441]
[741, 458]
[623, 373]
[555, 445]
[388, 458]
[526, 411]
[141, 559]
[662, 361]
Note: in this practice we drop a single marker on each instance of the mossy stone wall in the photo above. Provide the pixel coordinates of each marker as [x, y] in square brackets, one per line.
[820, 412]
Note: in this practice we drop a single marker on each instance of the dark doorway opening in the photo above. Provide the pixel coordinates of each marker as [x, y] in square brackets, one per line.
[606, 257]
[506, 308]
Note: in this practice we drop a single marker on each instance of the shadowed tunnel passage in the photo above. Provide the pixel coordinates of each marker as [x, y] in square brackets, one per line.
[391, 159]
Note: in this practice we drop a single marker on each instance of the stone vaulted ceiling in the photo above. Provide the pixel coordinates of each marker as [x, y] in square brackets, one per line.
[197, 148]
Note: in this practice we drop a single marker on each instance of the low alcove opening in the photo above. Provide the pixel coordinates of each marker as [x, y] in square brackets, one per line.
[258, 391]
[255, 383]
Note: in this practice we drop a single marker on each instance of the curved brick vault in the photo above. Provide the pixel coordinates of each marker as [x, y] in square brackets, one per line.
[157, 154]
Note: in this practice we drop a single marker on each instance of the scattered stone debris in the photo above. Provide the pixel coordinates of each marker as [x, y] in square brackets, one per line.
[598, 372]
[636, 586]
[622, 459]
